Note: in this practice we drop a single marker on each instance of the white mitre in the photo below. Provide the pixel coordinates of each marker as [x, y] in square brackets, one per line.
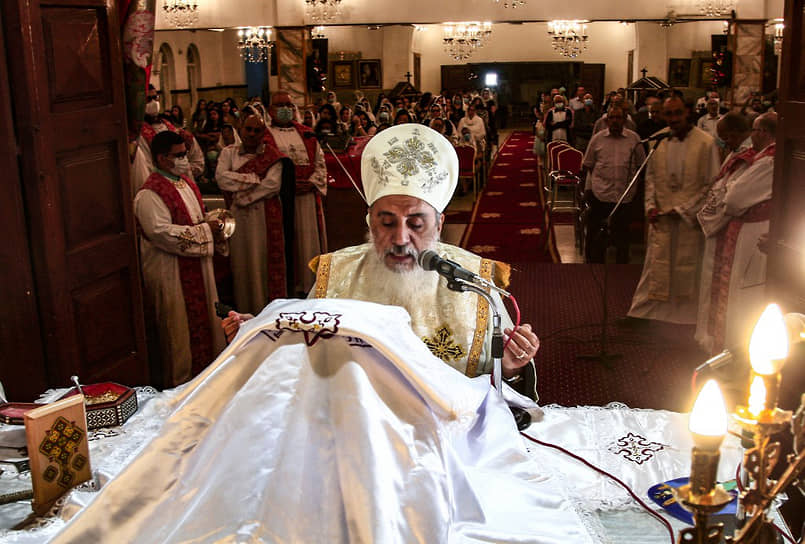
[411, 160]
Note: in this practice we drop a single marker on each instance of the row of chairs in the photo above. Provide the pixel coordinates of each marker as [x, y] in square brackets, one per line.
[472, 166]
[564, 187]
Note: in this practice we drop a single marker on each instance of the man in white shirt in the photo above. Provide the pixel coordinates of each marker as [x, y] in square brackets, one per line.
[577, 102]
[476, 126]
[709, 121]
[613, 156]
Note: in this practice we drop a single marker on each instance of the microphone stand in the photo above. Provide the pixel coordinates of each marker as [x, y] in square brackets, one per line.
[603, 355]
[521, 417]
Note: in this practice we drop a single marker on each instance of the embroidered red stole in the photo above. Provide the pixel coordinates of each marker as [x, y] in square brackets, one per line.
[725, 256]
[275, 238]
[190, 272]
[148, 133]
[735, 161]
[302, 173]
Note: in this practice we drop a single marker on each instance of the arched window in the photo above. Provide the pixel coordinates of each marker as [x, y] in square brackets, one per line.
[167, 75]
[193, 72]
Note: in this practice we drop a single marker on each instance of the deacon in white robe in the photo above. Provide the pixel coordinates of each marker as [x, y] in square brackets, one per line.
[678, 178]
[176, 249]
[143, 164]
[734, 130]
[298, 143]
[739, 271]
[475, 125]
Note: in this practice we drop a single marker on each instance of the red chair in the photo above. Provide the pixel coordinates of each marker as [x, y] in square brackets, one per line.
[551, 152]
[466, 167]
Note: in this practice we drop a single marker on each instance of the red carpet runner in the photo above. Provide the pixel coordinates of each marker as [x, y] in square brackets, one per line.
[507, 221]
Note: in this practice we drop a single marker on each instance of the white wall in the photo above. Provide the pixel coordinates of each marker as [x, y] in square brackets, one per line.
[220, 62]
[609, 43]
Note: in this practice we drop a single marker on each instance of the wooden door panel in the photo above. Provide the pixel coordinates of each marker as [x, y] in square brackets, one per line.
[72, 117]
[76, 48]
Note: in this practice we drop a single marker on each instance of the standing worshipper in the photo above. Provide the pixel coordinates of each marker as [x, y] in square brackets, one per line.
[251, 174]
[678, 177]
[558, 121]
[739, 267]
[709, 121]
[612, 158]
[297, 143]
[153, 124]
[176, 249]
[734, 130]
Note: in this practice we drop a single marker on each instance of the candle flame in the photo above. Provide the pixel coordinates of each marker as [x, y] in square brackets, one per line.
[768, 346]
[757, 396]
[709, 414]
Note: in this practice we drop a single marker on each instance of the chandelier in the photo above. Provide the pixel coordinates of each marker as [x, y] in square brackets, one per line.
[180, 13]
[716, 8]
[461, 39]
[255, 44]
[568, 38]
[511, 3]
[320, 12]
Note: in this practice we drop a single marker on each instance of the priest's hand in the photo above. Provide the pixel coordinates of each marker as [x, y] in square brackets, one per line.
[522, 348]
[231, 324]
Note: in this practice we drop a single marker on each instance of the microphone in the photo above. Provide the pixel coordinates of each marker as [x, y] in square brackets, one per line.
[657, 137]
[430, 260]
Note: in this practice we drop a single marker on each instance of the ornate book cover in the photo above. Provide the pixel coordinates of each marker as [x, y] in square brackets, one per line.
[58, 449]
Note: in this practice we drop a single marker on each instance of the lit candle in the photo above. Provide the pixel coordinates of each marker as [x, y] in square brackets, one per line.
[708, 425]
[757, 397]
[768, 347]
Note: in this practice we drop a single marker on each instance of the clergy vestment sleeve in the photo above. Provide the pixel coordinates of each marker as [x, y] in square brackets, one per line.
[226, 176]
[266, 187]
[688, 210]
[750, 188]
[650, 195]
[181, 240]
[196, 158]
[319, 176]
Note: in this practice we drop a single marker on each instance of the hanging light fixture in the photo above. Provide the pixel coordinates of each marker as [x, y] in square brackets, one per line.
[716, 8]
[461, 39]
[319, 12]
[180, 13]
[568, 38]
[514, 4]
[255, 44]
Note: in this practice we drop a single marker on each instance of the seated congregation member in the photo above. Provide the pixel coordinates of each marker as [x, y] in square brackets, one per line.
[295, 141]
[737, 286]
[612, 158]
[559, 121]
[362, 125]
[143, 165]
[406, 201]
[176, 249]
[402, 117]
[476, 126]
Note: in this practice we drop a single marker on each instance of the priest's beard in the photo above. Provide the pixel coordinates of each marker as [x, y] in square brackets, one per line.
[400, 286]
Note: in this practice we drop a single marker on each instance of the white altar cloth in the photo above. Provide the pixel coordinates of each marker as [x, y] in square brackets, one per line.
[329, 421]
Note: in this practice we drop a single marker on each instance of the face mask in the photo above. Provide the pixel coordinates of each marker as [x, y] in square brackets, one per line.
[467, 137]
[588, 102]
[152, 108]
[181, 166]
[559, 105]
[284, 114]
[721, 143]
[384, 117]
[331, 100]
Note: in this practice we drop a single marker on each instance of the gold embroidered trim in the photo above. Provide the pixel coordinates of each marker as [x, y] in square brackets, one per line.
[186, 239]
[443, 345]
[323, 275]
[481, 321]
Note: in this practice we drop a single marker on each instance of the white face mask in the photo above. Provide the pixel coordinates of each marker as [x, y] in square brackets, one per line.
[181, 166]
[152, 108]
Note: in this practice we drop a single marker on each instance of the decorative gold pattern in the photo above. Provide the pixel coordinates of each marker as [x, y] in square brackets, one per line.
[443, 346]
[481, 320]
[323, 275]
[412, 157]
[186, 239]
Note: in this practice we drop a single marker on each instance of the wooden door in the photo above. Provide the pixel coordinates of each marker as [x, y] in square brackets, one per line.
[67, 88]
[23, 364]
[592, 78]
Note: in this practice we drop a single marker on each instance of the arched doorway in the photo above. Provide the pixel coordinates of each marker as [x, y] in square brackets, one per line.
[167, 75]
[193, 73]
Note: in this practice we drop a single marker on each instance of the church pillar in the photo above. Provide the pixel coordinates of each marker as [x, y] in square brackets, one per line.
[291, 49]
[747, 70]
[397, 58]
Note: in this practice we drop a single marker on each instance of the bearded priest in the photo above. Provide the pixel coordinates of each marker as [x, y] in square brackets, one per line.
[409, 174]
